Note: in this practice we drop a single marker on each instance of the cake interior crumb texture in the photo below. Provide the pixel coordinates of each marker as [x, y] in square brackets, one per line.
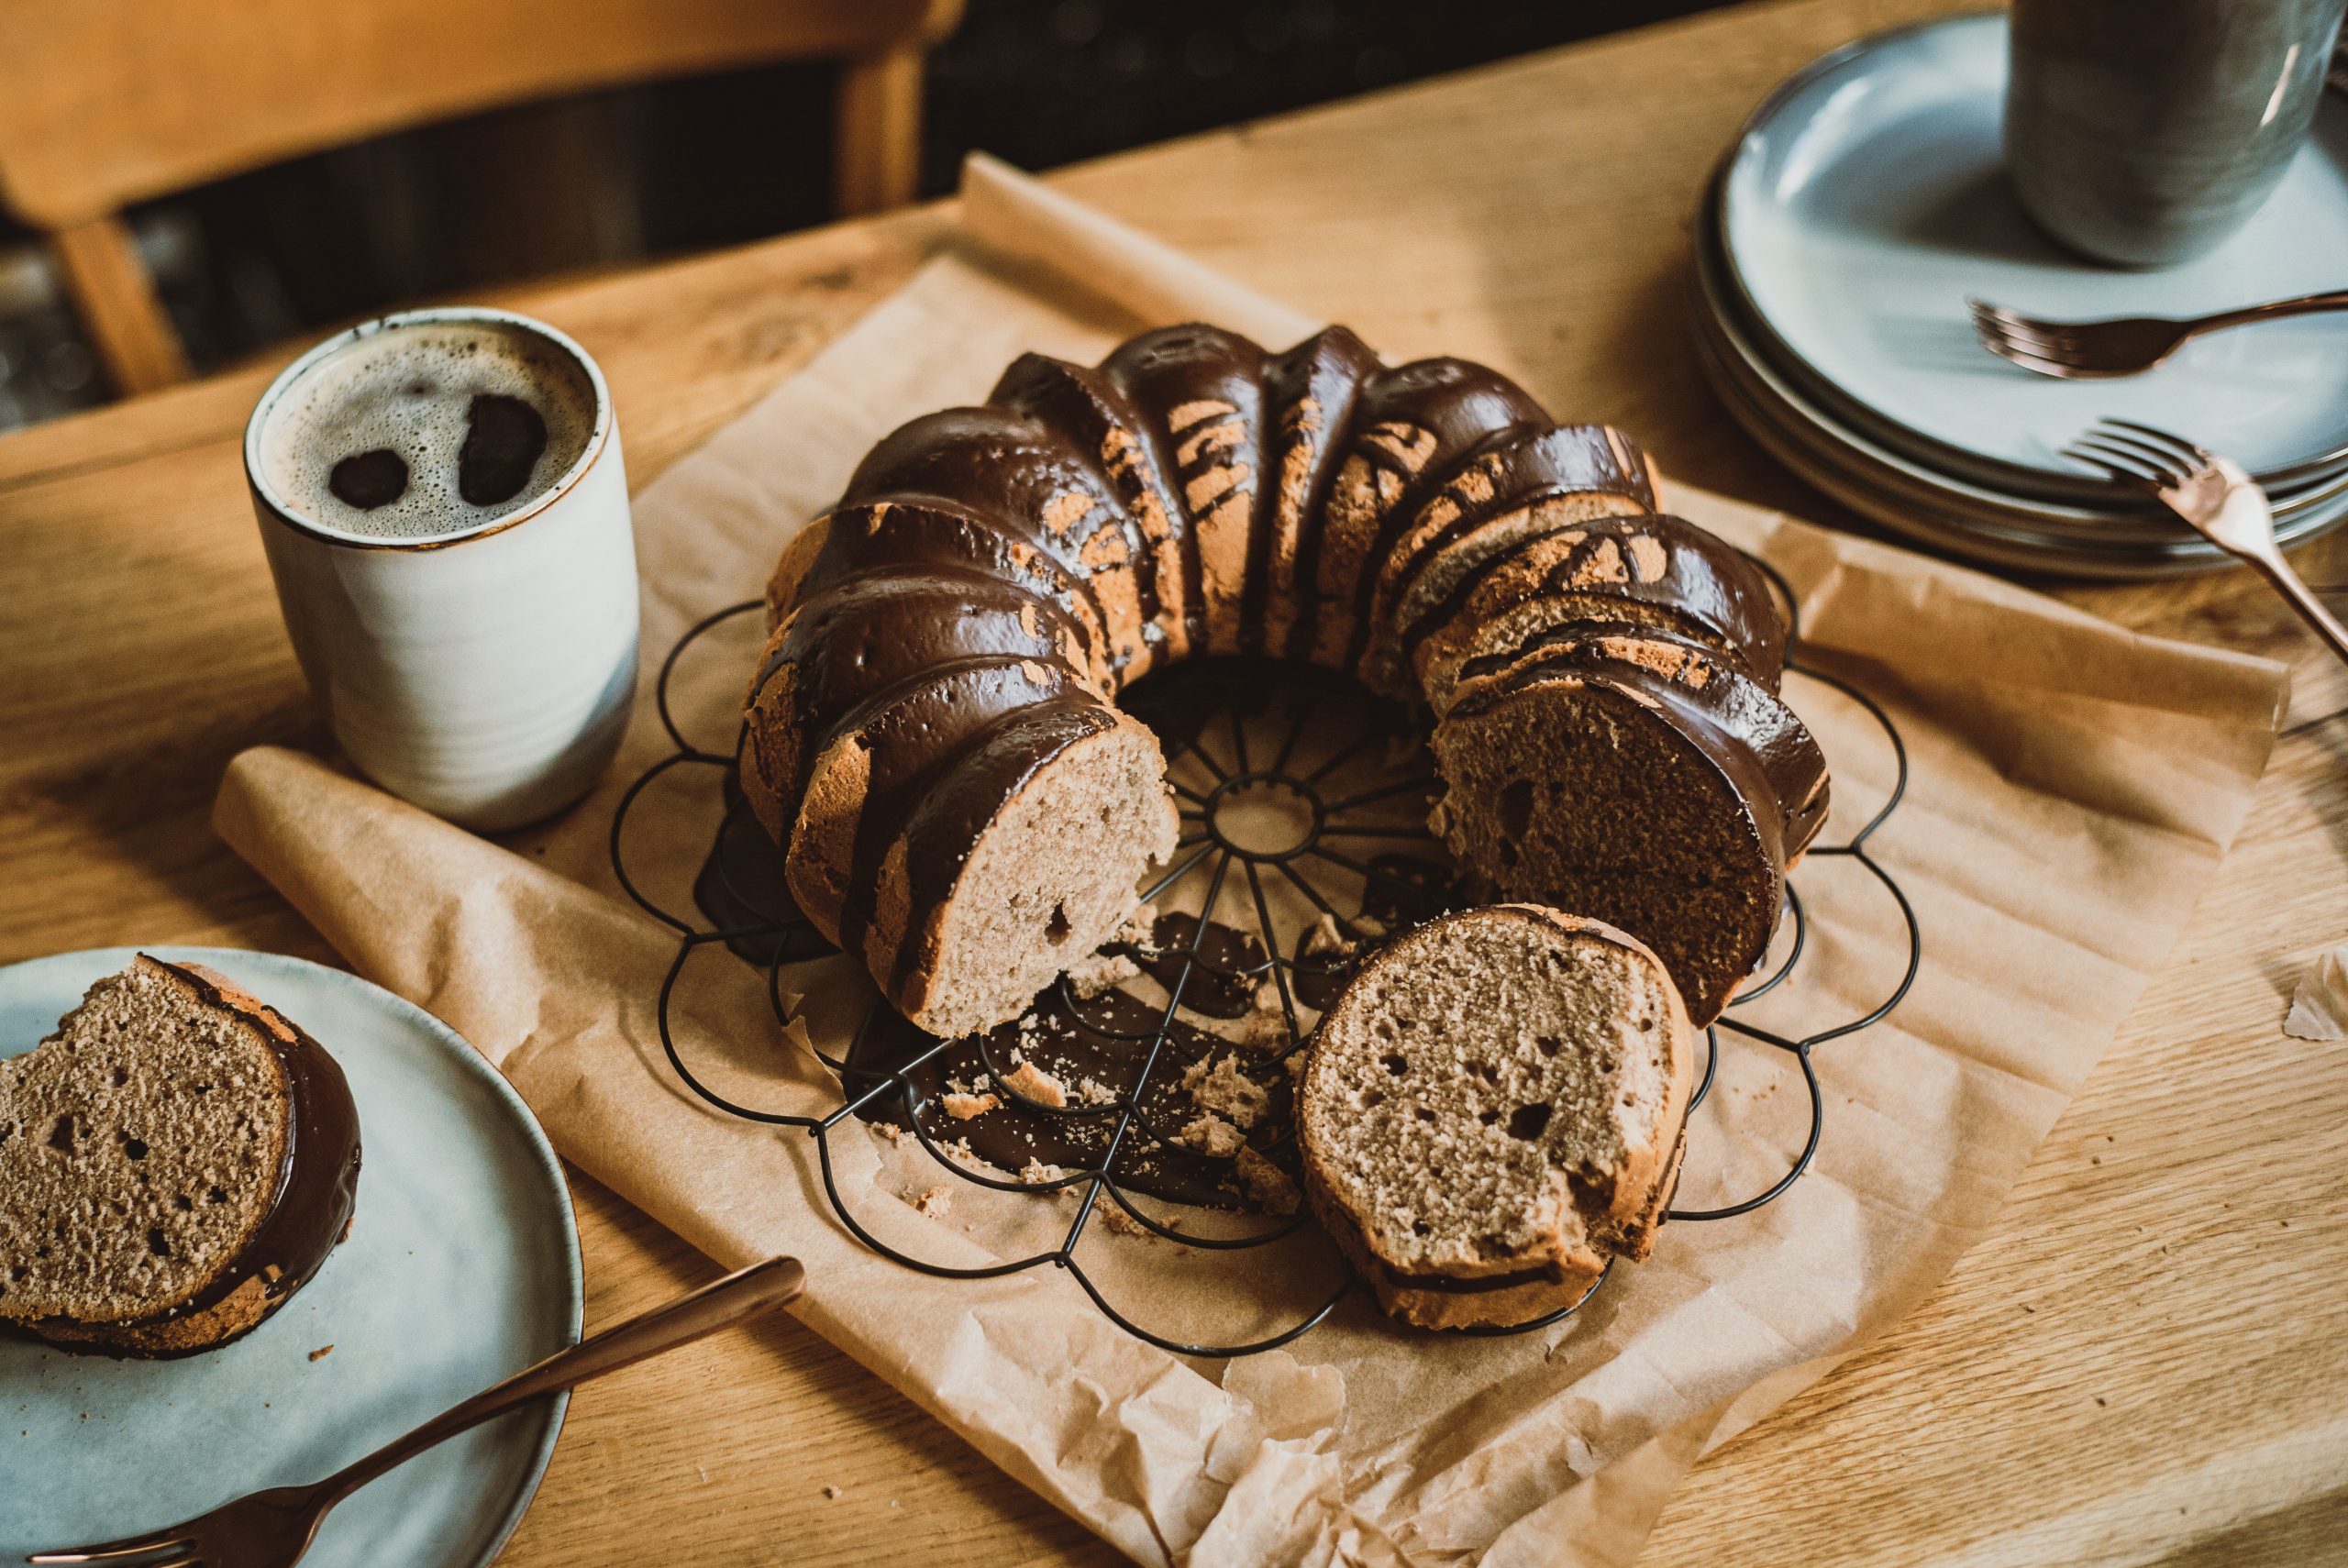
[1475, 1102]
[1050, 880]
[1575, 795]
[139, 1150]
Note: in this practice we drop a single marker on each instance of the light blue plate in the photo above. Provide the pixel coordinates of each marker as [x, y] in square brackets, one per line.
[1868, 198]
[462, 1269]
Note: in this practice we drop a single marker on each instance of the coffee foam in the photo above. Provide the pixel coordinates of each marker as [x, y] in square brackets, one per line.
[409, 388]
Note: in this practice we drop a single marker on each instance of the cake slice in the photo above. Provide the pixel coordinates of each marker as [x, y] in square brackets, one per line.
[1654, 570]
[175, 1162]
[1022, 853]
[1492, 1110]
[1641, 778]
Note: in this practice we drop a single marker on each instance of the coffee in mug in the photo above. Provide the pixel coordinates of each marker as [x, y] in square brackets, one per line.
[444, 509]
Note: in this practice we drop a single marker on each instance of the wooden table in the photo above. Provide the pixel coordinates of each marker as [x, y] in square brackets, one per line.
[2146, 1361]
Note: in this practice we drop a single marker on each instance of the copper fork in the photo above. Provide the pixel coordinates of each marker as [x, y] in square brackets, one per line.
[272, 1529]
[2127, 346]
[2215, 496]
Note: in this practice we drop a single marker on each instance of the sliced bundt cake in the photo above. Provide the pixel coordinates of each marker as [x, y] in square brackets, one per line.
[175, 1162]
[1493, 1109]
[933, 736]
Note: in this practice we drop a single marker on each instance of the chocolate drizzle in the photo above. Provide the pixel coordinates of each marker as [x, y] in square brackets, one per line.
[1325, 371]
[1103, 1039]
[1223, 976]
[1708, 590]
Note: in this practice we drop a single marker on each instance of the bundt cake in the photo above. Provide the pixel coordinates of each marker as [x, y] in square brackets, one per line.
[175, 1162]
[933, 737]
[1492, 1110]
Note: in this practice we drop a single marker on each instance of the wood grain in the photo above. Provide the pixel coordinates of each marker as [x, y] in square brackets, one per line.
[138, 347]
[2140, 1363]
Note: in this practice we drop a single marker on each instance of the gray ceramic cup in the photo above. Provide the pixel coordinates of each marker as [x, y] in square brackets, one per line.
[2144, 133]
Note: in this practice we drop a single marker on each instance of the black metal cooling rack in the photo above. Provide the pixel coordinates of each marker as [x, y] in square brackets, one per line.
[1121, 1139]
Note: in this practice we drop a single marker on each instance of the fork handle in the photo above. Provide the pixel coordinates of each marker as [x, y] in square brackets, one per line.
[2301, 598]
[720, 1304]
[2302, 304]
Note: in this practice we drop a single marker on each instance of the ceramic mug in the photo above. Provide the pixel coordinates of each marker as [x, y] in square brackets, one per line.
[481, 669]
[2146, 132]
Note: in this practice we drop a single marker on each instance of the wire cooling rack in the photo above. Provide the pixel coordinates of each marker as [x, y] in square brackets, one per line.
[1289, 782]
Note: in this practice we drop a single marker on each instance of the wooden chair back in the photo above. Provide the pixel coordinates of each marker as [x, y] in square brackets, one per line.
[104, 103]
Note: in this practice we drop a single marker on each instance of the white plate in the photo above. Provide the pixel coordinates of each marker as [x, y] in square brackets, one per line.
[462, 1269]
[1985, 525]
[1867, 199]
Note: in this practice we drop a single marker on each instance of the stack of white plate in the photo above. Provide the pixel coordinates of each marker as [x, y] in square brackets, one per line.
[1863, 205]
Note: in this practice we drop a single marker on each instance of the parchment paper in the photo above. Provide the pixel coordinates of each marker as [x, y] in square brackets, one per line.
[2073, 787]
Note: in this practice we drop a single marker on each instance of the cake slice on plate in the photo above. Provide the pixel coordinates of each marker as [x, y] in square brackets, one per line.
[175, 1162]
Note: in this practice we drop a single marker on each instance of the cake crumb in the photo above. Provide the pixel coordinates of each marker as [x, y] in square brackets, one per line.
[1265, 1033]
[962, 1106]
[1092, 1091]
[1211, 1134]
[1113, 1216]
[1036, 1173]
[1265, 1182]
[1037, 1084]
[888, 1130]
[322, 1353]
[1140, 928]
[960, 1153]
[936, 1203]
[1087, 978]
[832, 1493]
[1226, 1091]
[1322, 936]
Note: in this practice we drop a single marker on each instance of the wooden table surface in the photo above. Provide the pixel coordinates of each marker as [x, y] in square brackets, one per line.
[2146, 1361]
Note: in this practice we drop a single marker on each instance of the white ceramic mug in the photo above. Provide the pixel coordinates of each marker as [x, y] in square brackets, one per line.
[486, 672]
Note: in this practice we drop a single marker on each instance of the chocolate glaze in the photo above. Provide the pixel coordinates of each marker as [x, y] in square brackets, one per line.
[1230, 964]
[317, 1187]
[1714, 589]
[864, 641]
[1532, 466]
[1470, 409]
[886, 538]
[1161, 373]
[1102, 1038]
[1015, 470]
[1092, 410]
[1327, 369]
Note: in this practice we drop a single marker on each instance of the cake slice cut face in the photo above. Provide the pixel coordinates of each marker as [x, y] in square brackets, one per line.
[1641, 779]
[1492, 1110]
[175, 1162]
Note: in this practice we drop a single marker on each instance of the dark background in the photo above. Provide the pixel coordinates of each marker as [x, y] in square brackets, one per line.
[615, 177]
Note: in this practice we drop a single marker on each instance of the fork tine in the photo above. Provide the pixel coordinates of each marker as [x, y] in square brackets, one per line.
[2177, 443]
[2103, 446]
[2012, 323]
[2160, 458]
[2030, 360]
[1996, 331]
[2126, 473]
[170, 1539]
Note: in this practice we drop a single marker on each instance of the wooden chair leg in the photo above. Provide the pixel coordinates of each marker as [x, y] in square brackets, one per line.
[877, 158]
[118, 306]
